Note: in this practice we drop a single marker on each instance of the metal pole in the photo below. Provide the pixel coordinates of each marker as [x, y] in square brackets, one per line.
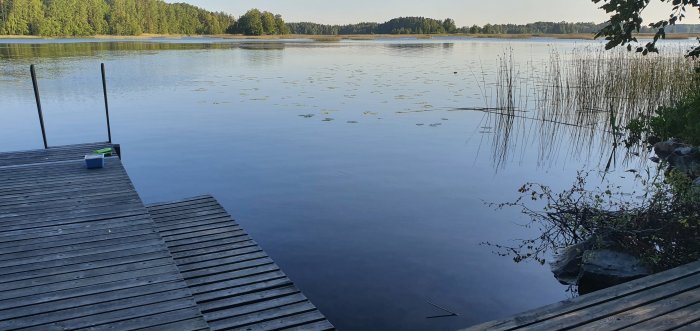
[38, 105]
[104, 90]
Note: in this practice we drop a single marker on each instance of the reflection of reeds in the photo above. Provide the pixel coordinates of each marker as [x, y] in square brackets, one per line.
[583, 97]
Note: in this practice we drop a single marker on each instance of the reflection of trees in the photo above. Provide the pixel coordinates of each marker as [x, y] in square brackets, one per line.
[413, 48]
[58, 50]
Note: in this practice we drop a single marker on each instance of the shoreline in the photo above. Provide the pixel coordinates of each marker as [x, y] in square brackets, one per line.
[322, 38]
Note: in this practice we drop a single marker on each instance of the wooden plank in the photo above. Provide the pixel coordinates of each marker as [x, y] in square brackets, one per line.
[39, 282]
[214, 252]
[285, 322]
[78, 248]
[82, 296]
[70, 213]
[215, 273]
[118, 317]
[175, 319]
[239, 300]
[190, 240]
[157, 207]
[190, 210]
[684, 316]
[602, 310]
[689, 327]
[189, 249]
[219, 218]
[200, 224]
[224, 264]
[244, 289]
[649, 311]
[55, 291]
[324, 325]
[234, 282]
[53, 154]
[58, 237]
[144, 295]
[261, 317]
[41, 245]
[68, 263]
[71, 228]
[113, 260]
[192, 263]
[233, 312]
[225, 231]
[590, 300]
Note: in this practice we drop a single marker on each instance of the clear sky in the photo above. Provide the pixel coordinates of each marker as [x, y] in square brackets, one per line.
[464, 12]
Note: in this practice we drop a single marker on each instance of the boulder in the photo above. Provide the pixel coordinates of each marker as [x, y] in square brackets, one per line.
[688, 164]
[682, 157]
[566, 266]
[603, 268]
[665, 148]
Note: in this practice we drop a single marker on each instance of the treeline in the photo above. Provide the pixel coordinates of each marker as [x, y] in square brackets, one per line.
[135, 17]
[401, 25]
[421, 25]
[533, 28]
[127, 17]
[562, 28]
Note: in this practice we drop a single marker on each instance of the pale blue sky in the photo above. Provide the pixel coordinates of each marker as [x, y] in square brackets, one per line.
[464, 12]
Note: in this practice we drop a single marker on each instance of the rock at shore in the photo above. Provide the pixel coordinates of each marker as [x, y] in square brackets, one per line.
[595, 269]
[603, 268]
[682, 157]
[567, 264]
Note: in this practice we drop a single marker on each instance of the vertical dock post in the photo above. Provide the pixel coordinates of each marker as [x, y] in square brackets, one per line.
[38, 105]
[104, 90]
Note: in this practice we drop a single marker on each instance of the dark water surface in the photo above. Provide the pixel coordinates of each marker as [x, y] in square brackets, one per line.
[348, 162]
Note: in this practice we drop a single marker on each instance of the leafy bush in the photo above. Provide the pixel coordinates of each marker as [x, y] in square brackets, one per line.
[680, 121]
[662, 226]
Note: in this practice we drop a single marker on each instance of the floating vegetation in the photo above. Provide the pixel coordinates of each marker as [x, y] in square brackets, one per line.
[326, 39]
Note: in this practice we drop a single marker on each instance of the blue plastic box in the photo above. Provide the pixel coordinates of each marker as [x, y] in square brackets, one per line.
[94, 161]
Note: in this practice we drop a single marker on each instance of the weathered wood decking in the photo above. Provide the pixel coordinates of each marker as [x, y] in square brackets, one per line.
[235, 284]
[79, 250]
[668, 300]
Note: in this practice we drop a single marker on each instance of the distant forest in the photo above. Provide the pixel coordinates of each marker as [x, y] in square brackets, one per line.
[422, 25]
[135, 17]
[127, 17]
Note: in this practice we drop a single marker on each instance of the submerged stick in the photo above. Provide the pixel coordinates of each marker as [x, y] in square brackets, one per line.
[450, 313]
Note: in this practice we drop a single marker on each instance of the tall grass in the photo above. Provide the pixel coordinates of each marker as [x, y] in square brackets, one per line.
[584, 96]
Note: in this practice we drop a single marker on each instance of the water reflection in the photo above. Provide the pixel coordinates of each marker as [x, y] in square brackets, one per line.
[417, 48]
[25, 51]
[381, 205]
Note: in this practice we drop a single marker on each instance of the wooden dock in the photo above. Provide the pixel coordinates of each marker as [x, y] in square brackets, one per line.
[236, 285]
[79, 250]
[669, 300]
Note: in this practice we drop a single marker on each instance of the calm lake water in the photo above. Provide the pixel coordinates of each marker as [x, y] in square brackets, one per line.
[350, 163]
